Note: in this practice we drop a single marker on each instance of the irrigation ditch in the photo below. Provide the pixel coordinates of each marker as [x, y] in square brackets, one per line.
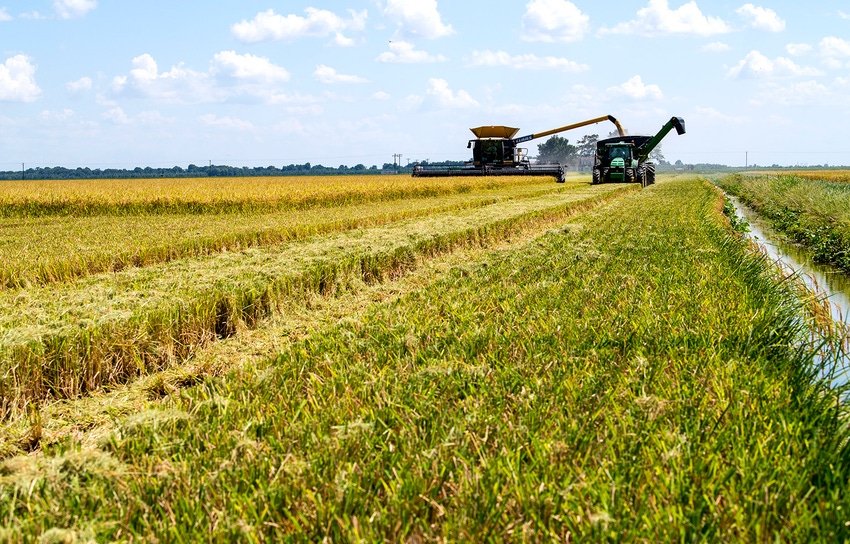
[822, 279]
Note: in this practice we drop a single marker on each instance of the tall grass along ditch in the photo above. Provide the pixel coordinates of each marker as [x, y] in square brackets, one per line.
[811, 212]
[634, 375]
[64, 340]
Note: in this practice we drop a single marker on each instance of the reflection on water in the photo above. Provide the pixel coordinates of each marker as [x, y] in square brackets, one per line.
[820, 278]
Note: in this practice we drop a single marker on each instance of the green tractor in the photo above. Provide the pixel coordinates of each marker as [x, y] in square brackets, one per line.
[625, 158]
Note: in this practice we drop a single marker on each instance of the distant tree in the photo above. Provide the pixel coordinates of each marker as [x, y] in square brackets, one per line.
[587, 145]
[556, 149]
[657, 156]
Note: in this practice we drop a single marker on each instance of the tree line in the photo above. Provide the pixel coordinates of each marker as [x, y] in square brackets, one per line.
[213, 170]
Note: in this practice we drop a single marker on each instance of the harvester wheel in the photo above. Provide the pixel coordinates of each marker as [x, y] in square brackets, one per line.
[630, 175]
[650, 173]
[597, 177]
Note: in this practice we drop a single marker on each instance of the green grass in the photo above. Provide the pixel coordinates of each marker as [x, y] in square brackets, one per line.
[63, 340]
[812, 212]
[635, 375]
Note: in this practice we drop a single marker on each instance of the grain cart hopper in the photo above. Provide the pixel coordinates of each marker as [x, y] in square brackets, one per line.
[625, 158]
[495, 152]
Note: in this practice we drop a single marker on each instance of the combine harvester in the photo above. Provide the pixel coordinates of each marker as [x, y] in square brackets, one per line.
[495, 152]
[626, 158]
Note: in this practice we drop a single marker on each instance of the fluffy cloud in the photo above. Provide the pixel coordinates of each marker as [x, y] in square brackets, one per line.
[318, 23]
[554, 21]
[417, 18]
[757, 65]
[69, 9]
[798, 49]
[761, 18]
[834, 47]
[403, 52]
[17, 80]
[715, 47]
[227, 122]
[843, 15]
[658, 19]
[525, 62]
[635, 89]
[439, 89]
[4, 15]
[80, 86]
[326, 74]
[230, 77]
[247, 67]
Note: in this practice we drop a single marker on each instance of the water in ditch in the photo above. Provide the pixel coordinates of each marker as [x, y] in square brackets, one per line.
[820, 278]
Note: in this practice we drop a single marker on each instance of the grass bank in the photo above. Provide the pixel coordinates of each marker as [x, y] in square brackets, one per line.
[635, 375]
[811, 211]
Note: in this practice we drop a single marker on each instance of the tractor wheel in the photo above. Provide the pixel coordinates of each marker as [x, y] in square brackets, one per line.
[630, 175]
[650, 174]
[641, 175]
[597, 177]
[604, 175]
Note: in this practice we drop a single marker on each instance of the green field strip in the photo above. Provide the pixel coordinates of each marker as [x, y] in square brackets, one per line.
[65, 339]
[51, 249]
[636, 375]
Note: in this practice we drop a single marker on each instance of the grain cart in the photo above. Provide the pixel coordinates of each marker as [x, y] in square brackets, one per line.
[495, 152]
[625, 158]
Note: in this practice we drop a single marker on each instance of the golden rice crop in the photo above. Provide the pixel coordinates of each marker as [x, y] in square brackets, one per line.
[58, 248]
[205, 195]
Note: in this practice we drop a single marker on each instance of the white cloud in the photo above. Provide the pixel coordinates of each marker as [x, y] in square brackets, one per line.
[804, 93]
[403, 52]
[761, 18]
[439, 89]
[230, 123]
[247, 67]
[715, 47]
[714, 115]
[417, 18]
[635, 89]
[525, 62]
[658, 19]
[381, 95]
[68, 9]
[834, 47]
[843, 15]
[230, 77]
[56, 116]
[17, 80]
[798, 49]
[554, 21]
[757, 65]
[318, 23]
[4, 15]
[326, 74]
[79, 86]
[117, 116]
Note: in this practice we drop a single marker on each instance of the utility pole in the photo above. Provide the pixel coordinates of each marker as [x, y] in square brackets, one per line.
[23, 174]
[746, 159]
[396, 164]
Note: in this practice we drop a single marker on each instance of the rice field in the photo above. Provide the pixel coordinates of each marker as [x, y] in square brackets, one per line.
[531, 362]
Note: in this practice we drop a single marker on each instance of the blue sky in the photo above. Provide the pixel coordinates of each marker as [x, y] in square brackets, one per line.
[104, 83]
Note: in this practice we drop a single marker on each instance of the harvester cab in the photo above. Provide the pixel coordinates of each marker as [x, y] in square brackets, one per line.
[626, 158]
[496, 152]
